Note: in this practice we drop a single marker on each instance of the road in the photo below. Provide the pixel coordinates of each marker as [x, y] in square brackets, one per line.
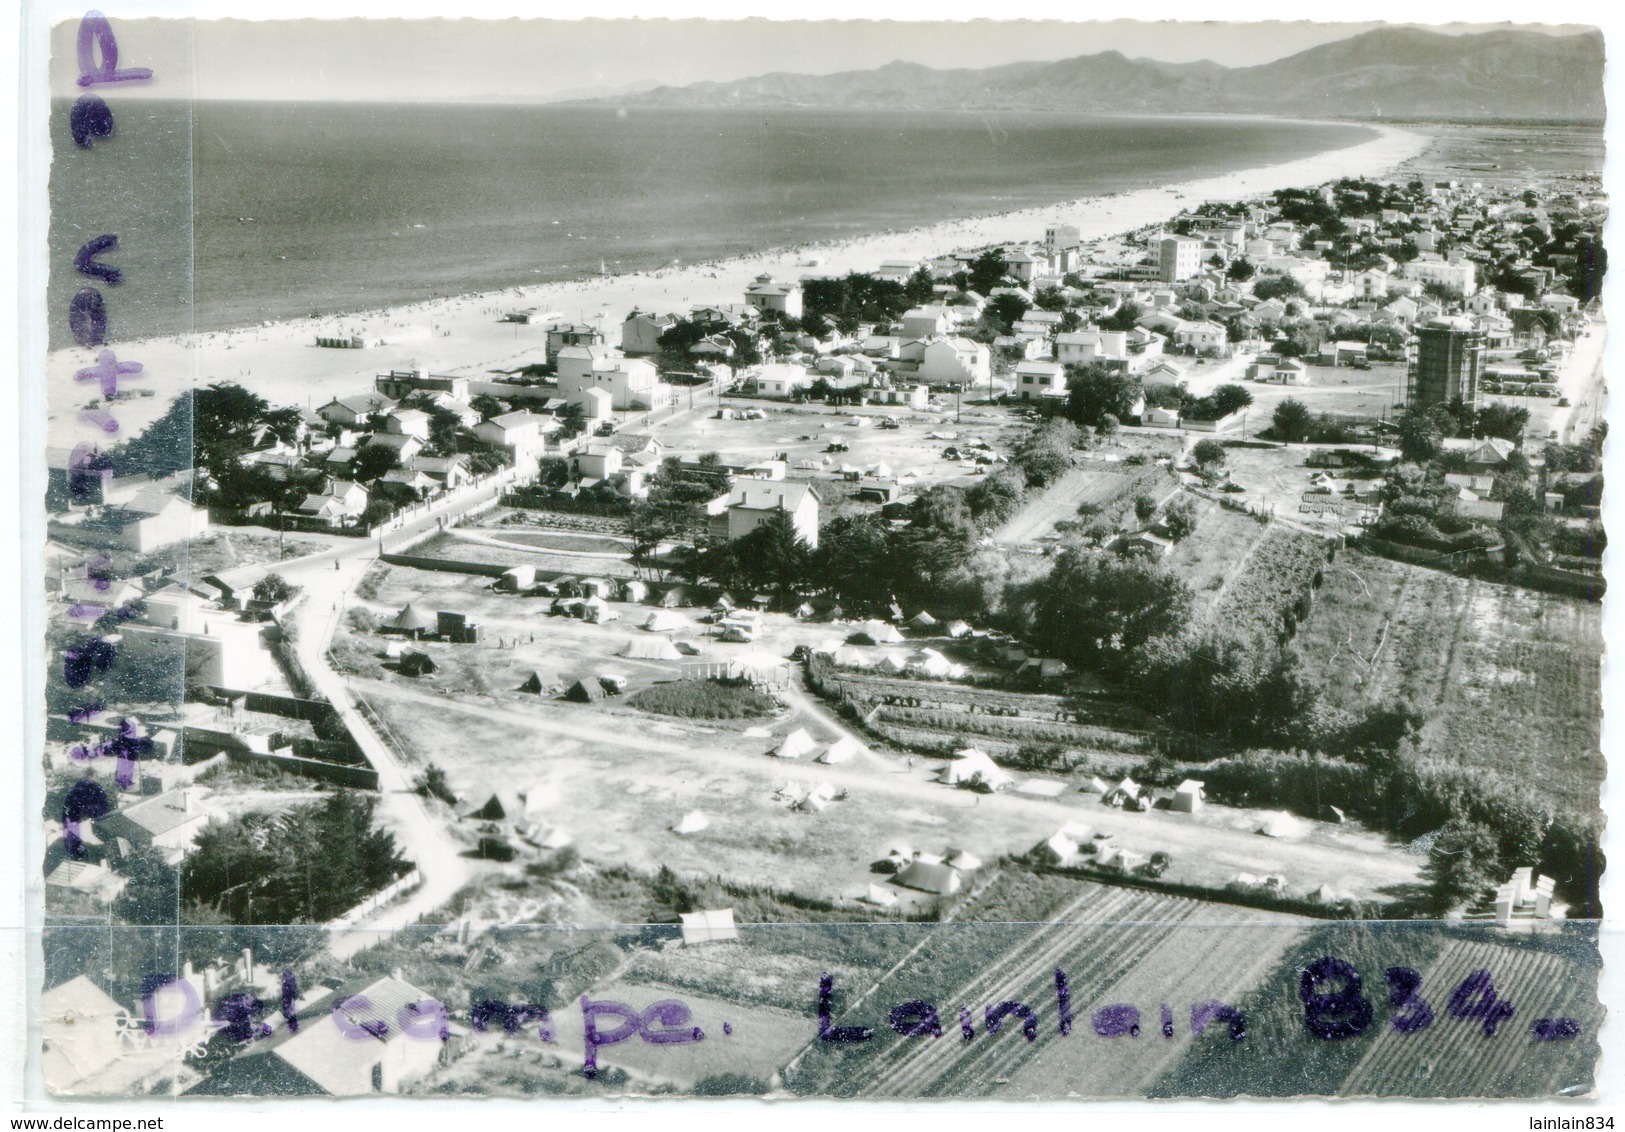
[327, 579]
[1581, 380]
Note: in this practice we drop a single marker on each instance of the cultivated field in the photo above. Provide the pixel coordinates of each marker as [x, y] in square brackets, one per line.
[1101, 482]
[1117, 947]
[1214, 553]
[1508, 677]
[1451, 1056]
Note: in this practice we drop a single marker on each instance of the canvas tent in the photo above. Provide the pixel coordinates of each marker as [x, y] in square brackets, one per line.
[939, 880]
[962, 861]
[795, 745]
[502, 805]
[541, 683]
[1058, 850]
[875, 633]
[414, 663]
[586, 691]
[714, 925]
[923, 620]
[1281, 824]
[673, 598]
[596, 610]
[413, 620]
[974, 768]
[881, 896]
[635, 591]
[1188, 797]
[957, 629]
[692, 822]
[842, 750]
[651, 648]
[665, 621]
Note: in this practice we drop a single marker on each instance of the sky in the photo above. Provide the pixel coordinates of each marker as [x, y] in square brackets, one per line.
[539, 59]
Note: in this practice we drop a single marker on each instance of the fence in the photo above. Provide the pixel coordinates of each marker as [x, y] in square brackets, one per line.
[378, 899]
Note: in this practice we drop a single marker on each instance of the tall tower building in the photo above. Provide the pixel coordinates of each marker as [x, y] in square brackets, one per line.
[1446, 363]
[1178, 257]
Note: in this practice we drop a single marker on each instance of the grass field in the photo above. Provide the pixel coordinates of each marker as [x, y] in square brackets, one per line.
[1509, 678]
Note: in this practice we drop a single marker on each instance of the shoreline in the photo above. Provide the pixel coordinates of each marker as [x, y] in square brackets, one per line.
[461, 334]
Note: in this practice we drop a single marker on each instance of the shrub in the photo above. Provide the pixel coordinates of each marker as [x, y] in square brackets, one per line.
[704, 699]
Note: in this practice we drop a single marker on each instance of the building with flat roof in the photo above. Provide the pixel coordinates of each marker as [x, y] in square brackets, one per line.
[1178, 258]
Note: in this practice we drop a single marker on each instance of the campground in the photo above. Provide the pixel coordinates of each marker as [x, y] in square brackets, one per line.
[617, 780]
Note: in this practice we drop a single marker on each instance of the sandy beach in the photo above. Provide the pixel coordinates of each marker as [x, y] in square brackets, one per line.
[463, 335]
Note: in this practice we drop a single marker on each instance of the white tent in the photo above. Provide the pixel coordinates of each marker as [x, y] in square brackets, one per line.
[762, 667]
[932, 663]
[958, 629]
[795, 745]
[635, 591]
[1061, 848]
[666, 621]
[974, 768]
[923, 620]
[880, 632]
[817, 798]
[884, 897]
[842, 750]
[1188, 797]
[963, 861]
[692, 822]
[893, 664]
[651, 648]
[1098, 785]
[1281, 825]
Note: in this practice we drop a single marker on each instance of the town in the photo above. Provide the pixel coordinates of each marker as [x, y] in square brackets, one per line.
[1251, 559]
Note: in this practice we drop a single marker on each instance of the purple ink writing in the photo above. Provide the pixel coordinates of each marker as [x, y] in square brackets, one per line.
[96, 34]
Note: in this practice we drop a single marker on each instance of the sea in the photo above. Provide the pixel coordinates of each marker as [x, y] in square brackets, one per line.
[230, 214]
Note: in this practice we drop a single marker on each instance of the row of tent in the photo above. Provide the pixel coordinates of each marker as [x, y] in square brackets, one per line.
[928, 663]
[799, 744]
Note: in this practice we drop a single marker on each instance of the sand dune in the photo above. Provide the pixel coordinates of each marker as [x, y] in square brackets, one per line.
[462, 334]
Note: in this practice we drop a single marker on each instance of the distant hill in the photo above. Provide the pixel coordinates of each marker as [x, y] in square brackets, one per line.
[1386, 73]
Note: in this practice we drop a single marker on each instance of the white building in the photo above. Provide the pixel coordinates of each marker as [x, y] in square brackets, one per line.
[780, 379]
[955, 361]
[1459, 278]
[1178, 257]
[753, 502]
[1038, 380]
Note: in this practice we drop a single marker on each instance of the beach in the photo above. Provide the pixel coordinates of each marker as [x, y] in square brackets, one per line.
[464, 334]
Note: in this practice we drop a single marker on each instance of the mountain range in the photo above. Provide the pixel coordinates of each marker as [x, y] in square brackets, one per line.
[1388, 73]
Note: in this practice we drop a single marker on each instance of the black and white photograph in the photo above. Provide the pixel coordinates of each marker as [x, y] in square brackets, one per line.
[989, 560]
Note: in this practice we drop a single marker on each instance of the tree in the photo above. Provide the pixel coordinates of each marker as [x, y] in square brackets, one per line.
[1180, 519]
[855, 559]
[1501, 420]
[1292, 419]
[1097, 608]
[998, 496]
[1277, 287]
[987, 272]
[1241, 270]
[373, 461]
[1095, 390]
[774, 556]
[1208, 455]
[487, 406]
[1125, 317]
[1008, 309]
[1145, 507]
[444, 423]
[1046, 454]
[1230, 398]
[273, 588]
[920, 286]
[1050, 299]
[1463, 861]
[1420, 436]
